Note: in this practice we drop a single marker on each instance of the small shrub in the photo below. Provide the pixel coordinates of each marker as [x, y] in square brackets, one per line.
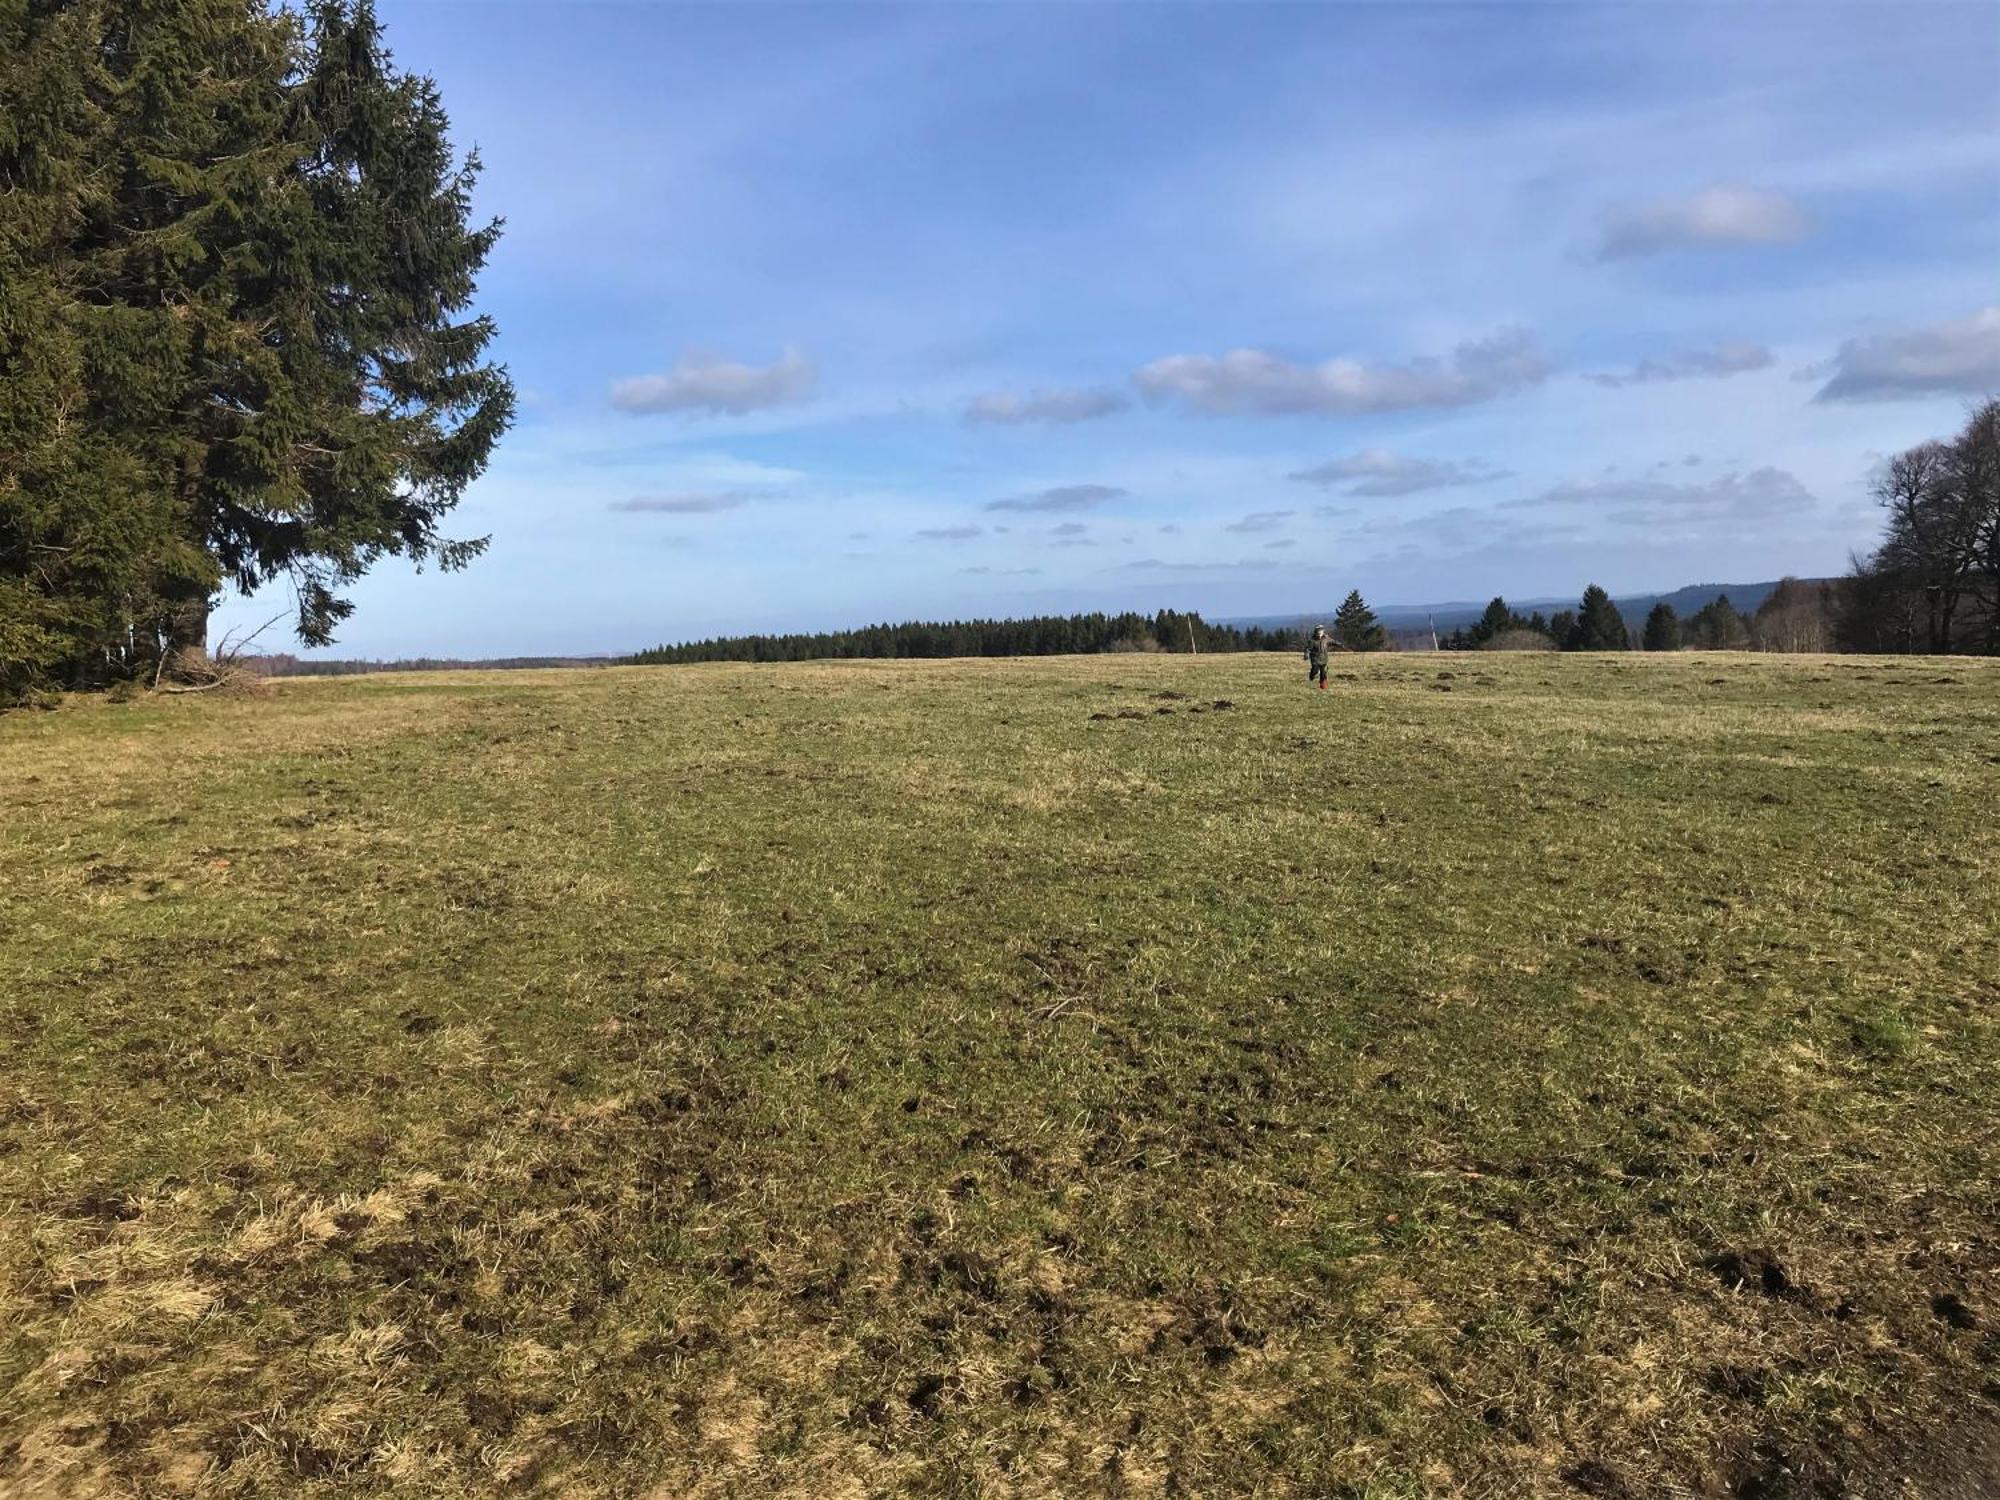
[1519, 640]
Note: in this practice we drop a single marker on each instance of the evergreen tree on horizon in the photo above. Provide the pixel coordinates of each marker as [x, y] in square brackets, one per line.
[1355, 625]
[1599, 626]
[1662, 630]
[1718, 626]
[1496, 620]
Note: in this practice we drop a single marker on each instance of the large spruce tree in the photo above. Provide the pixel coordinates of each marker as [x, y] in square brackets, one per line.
[237, 257]
[1599, 626]
[1718, 626]
[1663, 628]
[90, 545]
[1497, 620]
[1355, 625]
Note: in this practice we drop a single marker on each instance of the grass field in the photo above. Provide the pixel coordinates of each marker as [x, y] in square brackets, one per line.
[1498, 1076]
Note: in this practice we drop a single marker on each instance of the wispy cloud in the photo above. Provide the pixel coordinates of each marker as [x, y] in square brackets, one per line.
[696, 504]
[1257, 382]
[1692, 364]
[1759, 495]
[983, 571]
[949, 533]
[1958, 357]
[1464, 531]
[1713, 216]
[1063, 497]
[1162, 565]
[1049, 407]
[1376, 472]
[1260, 520]
[1265, 565]
[1072, 534]
[705, 382]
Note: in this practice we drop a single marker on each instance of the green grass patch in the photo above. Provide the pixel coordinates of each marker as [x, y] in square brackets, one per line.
[1117, 1075]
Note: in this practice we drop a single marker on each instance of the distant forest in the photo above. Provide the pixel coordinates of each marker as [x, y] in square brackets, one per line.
[1042, 635]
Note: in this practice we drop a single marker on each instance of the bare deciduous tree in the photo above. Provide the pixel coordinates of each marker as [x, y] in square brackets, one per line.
[1934, 583]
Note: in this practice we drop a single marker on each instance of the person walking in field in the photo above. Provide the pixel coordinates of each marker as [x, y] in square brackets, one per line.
[1317, 645]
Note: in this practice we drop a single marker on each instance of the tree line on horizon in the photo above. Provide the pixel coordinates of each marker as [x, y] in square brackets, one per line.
[1798, 615]
[1038, 635]
[238, 348]
[1793, 618]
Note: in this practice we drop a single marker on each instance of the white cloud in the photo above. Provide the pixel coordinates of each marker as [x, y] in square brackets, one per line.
[1958, 357]
[1692, 364]
[982, 571]
[1379, 473]
[1053, 407]
[948, 533]
[1260, 520]
[1713, 216]
[704, 382]
[681, 505]
[1254, 381]
[1063, 497]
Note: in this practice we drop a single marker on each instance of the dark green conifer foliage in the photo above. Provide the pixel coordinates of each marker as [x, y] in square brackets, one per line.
[1599, 626]
[1718, 626]
[1355, 625]
[235, 268]
[1497, 620]
[91, 548]
[1663, 628]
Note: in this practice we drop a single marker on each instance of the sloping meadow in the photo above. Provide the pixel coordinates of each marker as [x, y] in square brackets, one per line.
[1497, 1075]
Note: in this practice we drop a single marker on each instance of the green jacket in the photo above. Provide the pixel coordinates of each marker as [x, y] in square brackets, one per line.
[1316, 647]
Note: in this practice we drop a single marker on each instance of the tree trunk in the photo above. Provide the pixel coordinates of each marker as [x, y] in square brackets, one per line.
[187, 630]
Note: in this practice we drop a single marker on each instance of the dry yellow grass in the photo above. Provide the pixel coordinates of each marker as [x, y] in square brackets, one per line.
[1495, 1077]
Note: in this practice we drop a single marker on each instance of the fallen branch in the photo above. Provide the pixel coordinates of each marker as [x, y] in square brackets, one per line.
[194, 687]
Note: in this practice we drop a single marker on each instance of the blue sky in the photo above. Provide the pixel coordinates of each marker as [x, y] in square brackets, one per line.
[830, 314]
